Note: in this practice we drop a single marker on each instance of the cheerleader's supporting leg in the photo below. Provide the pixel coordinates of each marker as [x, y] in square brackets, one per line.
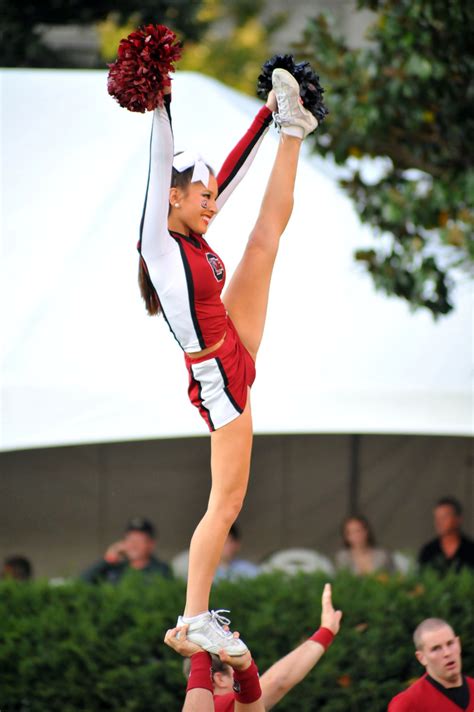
[231, 448]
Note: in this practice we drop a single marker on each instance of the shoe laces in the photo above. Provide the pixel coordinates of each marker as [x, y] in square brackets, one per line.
[286, 108]
[218, 622]
[283, 103]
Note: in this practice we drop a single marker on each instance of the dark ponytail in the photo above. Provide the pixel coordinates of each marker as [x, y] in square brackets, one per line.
[147, 290]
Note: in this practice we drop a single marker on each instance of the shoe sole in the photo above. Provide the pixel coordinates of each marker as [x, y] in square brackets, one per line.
[283, 78]
[203, 642]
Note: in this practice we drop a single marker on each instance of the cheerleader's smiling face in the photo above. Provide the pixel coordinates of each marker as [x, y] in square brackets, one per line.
[192, 207]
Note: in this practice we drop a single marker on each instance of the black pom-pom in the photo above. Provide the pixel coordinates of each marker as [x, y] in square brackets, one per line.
[311, 90]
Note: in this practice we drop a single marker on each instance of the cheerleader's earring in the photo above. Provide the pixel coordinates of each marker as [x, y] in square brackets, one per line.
[176, 205]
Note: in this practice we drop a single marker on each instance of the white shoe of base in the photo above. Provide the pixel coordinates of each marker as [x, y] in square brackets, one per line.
[292, 117]
[207, 631]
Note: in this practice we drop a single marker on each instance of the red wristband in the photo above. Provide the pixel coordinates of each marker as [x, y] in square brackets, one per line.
[200, 675]
[265, 112]
[324, 637]
[247, 685]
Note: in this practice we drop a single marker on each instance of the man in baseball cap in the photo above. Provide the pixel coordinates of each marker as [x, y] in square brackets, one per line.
[133, 552]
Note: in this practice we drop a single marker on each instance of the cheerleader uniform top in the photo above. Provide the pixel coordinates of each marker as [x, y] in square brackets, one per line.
[187, 275]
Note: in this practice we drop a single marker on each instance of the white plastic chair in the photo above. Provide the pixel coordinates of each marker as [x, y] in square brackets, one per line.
[291, 561]
[180, 563]
[403, 562]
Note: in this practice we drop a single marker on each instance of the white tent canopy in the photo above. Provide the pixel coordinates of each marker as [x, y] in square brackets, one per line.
[82, 362]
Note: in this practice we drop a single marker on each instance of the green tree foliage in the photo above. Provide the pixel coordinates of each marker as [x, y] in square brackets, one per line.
[408, 97]
[236, 43]
[21, 33]
[80, 647]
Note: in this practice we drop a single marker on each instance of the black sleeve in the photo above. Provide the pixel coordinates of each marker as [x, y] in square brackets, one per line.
[468, 552]
[95, 573]
[426, 554]
[167, 572]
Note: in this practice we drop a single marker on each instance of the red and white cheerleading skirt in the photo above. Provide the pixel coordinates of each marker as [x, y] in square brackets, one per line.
[219, 381]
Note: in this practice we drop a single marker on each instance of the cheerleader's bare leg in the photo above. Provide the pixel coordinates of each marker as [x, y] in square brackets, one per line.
[231, 448]
[246, 297]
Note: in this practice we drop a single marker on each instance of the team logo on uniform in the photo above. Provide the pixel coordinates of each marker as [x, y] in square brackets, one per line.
[217, 266]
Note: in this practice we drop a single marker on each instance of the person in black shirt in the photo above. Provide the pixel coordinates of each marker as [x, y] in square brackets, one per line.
[134, 551]
[451, 550]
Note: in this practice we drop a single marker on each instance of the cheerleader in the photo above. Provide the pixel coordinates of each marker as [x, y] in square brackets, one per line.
[183, 278]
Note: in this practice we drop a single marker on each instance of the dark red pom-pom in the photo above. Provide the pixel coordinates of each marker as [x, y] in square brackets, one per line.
[139, 75]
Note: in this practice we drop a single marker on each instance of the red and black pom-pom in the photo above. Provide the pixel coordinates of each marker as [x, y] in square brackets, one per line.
[311, 90]
[139, 75]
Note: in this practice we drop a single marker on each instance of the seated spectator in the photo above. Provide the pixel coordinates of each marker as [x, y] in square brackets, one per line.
[230, 567]
[17, 568]
[134, 551]
[451, 550]
[225, 684]
[360, 555]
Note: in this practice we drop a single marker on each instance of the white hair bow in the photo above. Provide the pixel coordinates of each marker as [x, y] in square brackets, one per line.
[190, 158]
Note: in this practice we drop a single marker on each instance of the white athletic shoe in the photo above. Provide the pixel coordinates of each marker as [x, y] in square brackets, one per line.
[292, 117]
[207, 631]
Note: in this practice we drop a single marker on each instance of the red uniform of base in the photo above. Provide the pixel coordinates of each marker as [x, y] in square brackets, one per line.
[224, 703]
[422, 696]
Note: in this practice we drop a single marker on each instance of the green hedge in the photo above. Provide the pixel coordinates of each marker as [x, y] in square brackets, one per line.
[78, 647]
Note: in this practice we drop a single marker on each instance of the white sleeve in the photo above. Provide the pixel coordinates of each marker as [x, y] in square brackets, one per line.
[154, 236]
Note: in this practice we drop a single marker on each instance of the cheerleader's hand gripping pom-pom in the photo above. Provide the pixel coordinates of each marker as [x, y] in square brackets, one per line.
[139, 75]
[311, 91]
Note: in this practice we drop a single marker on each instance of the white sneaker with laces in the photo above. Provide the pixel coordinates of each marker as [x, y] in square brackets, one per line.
[207, 631]
[292, 117]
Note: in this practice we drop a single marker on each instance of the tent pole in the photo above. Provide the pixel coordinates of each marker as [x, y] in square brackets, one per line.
[354, 474]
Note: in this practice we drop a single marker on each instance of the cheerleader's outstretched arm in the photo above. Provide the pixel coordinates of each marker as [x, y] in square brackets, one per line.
[241, 157]
[154, 236]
